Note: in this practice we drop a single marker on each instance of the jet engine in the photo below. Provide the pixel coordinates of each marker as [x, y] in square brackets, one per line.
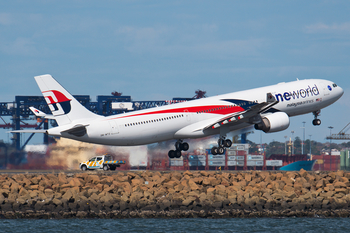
[273, 123]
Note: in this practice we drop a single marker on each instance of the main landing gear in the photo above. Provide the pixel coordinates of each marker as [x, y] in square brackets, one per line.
[316, 121]
[180, 146]
[222, 143]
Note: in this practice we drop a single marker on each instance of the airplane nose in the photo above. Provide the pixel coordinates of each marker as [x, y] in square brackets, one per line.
[341, 91]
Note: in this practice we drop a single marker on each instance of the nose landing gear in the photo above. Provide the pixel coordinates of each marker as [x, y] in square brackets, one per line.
[180, 146]
[316, 121]
[222, 143]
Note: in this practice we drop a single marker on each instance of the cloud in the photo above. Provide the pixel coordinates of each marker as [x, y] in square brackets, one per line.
[324, 28]
[5, 19]
[199, 39]
[247, 47]
[20, 46]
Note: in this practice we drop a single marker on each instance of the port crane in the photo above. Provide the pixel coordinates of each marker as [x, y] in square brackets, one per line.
[342, 135]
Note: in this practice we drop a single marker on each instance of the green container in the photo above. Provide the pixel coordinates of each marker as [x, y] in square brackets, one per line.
[345, 160]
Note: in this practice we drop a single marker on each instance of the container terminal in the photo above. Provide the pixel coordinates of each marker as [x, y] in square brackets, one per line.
[237, 157]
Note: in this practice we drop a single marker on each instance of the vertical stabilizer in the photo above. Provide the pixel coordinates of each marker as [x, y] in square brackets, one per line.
[64, 107]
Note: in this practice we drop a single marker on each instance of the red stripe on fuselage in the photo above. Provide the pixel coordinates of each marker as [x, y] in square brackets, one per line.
[214, 109]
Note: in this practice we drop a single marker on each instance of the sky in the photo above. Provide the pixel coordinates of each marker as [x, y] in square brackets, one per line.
[157, 50]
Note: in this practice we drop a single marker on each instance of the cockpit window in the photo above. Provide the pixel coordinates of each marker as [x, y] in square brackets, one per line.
[334, 85]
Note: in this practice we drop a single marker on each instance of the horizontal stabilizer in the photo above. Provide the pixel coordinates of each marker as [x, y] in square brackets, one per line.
[28, 131]
[39, 113]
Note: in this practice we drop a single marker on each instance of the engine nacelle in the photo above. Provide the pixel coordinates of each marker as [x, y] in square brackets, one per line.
[274, 122]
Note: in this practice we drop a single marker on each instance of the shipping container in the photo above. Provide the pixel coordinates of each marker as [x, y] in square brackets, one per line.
[195, 163]
[231, 163]
[276, 163]
[255, 157]
[344, 160]
[216, 157]
[176, 162]
[216, 163]
[197, 157]
[230, 152]
[255, 163]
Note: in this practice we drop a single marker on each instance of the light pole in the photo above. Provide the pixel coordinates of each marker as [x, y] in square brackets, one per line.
[310, 144]
[292, 142]
[330, 148]
[285, 145]
[302, 144]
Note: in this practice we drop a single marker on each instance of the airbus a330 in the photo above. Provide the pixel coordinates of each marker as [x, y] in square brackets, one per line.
[267, 108]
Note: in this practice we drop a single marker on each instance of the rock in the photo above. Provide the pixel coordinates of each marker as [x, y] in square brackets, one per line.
[329, 187]
[320, 184]
[188, 201]
[204, 173]
[170, 185]
[340, 185]
[94, 179]
[303, 173]
[57, 202]
[192, 185]
[14, 187]
[62, 178]
[23, 192]
[191, 193]
[137, 182]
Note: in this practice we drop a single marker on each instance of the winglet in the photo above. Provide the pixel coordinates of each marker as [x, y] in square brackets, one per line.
[270, 98]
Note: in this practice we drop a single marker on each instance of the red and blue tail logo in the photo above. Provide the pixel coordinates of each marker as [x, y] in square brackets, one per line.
[58, 103]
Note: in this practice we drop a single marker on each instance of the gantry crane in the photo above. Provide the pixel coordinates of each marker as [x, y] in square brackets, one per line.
[342, 134]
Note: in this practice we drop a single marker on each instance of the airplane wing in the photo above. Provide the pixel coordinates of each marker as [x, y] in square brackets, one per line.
[239, 117]
[39, 113]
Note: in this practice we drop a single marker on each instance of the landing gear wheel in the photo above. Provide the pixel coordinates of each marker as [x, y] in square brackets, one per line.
[184, 146]
[171, 154]
[174, 154]
[228, 143]
[177, 154]
[221, 150]
[316, 122]
[214, 150]
[105, 168]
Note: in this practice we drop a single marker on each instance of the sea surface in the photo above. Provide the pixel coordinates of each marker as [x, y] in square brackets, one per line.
[199, 225]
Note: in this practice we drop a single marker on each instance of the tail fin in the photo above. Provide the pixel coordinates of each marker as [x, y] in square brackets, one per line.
[64, 107]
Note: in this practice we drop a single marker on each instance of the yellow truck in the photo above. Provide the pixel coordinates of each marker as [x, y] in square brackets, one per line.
[104, 162]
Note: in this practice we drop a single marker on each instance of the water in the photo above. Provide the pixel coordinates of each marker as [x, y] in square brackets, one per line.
[178, 225]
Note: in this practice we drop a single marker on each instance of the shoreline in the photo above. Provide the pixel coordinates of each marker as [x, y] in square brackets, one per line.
[175, 194]
[175, 214]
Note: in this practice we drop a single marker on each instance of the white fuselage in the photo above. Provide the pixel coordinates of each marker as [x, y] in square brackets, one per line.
[180, 121]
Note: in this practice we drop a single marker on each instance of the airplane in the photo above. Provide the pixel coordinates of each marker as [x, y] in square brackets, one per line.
[267, 108]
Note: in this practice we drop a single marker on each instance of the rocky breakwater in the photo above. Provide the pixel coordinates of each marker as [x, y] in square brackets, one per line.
[175, 194]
